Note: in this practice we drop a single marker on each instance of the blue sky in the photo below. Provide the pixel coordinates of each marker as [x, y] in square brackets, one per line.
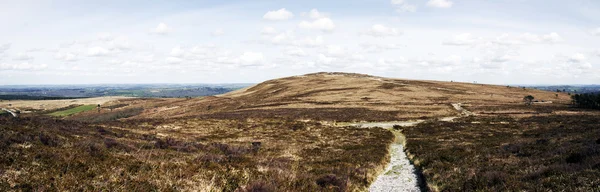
[488, 41]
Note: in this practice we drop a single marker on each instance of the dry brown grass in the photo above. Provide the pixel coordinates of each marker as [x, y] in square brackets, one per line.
[207, 143]
[188, 154]
[54, 104]
[407, 99]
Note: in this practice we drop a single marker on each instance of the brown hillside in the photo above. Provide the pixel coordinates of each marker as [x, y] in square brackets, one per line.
[347, 97]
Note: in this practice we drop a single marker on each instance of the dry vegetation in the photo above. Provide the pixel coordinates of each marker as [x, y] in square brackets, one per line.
[545, 152]
[188, 154]
[275, 137]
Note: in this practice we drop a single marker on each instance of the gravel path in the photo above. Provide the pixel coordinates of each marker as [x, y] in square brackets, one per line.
[399, 175]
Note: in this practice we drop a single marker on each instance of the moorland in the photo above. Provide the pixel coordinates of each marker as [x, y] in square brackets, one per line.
[296, 134]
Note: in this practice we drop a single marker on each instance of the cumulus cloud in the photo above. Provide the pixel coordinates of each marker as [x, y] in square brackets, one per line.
[295, 51]
[268, 31]
[310, 41]
[251, 58]
[440, 3]
[379, 30]
[105, 36]
[461, 39]
[161, 29]
[119, 44]
[335, 51]
[290, 39]
[595, 32]
[577, 61]
[97, 52]
[217, 32]
[577, 58]
[402, 6]
[173, 60]
[324, 60]
[378, 48]
[177, 52]
[4, 47]
[68, 57]
[22, 57]
[323, 24]
[315, 14]
[23, 66]
[279, 15]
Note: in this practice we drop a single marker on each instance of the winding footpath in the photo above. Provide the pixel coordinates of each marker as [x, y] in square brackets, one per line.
[12, 113]
[400, 174]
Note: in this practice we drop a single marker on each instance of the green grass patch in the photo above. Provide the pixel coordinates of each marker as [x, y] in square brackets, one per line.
[72, 111]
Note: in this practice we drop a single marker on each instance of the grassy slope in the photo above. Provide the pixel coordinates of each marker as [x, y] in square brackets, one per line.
[501, 153]
[72, 111]
[42, 153]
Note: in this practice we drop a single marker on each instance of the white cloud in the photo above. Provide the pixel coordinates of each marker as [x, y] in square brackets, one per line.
[297, 52]
[161, 29]
[440, 3]
[577, 61]
[401, 6]
[105, 37]
[335, 51]
[595, 32]
[4, 47]
[218, 32]
[377, 48]
[68, 57]
[323, 24]
[173, 60]
[379, 30]
[406, 8]
[315, 14]
[97, 52]
[577, 58]
[177, 52]
[23, 66]
[268, 31]
[251, 58]
[501, 58]
[397, 2]
[310, 42]
[279, 15]
[461, 39]
[119, 44]
[22, 57]
[322, 59]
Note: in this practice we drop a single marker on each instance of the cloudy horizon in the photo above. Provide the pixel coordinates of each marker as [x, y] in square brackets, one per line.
[114, 42]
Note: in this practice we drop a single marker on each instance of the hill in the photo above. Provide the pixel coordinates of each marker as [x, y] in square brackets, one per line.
[308, 133]
[349, 97]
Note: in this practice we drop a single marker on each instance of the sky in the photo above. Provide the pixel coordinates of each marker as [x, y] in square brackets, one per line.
[152, 41]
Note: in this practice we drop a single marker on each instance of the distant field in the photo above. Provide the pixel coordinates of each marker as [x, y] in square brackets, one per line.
[25, 105]
[72, 111]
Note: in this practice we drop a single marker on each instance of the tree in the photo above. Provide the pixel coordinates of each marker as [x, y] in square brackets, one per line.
[528, 99]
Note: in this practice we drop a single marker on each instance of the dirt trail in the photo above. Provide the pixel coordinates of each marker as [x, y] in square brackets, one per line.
[463, 111]
[400, 174]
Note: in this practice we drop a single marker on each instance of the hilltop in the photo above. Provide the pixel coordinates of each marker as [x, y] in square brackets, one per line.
[348, 97]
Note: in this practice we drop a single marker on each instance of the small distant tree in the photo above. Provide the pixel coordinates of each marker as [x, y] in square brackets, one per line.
[528, 100]
[556, 95]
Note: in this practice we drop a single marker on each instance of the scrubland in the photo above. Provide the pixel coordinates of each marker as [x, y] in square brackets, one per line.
[285, 135]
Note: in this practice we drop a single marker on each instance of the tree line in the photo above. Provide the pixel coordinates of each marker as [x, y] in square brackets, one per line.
[587, 100]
